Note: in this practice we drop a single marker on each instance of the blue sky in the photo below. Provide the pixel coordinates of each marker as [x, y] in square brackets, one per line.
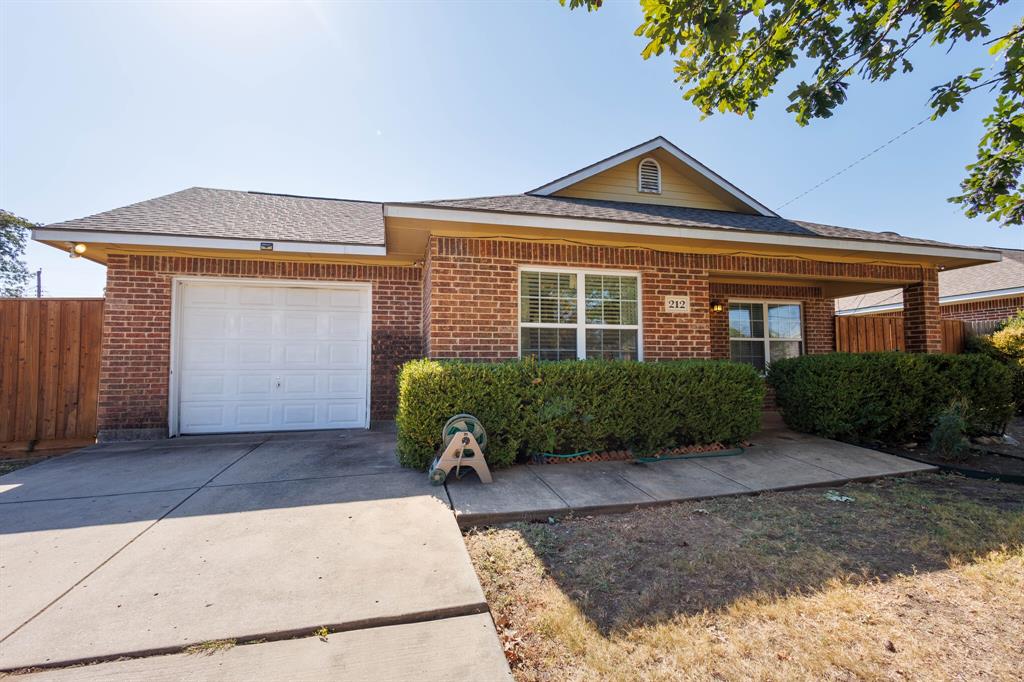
[105, 104]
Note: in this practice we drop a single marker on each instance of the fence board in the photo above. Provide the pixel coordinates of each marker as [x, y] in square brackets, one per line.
[954, 336]
[49, 370]
[869, 334]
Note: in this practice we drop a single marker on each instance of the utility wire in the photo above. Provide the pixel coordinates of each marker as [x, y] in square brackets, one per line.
[840, 172]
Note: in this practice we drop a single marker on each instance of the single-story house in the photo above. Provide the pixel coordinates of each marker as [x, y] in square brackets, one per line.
[247, 311]
[990, 292]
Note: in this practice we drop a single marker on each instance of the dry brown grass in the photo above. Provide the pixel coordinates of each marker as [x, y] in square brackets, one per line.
[918, 578]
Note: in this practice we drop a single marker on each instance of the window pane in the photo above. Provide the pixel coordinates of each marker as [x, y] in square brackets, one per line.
[750, 352]
[784, 349]
[610, 299]
[784, 321]
[746, 320]
[548, 344]
[547, 297]
[611, 344]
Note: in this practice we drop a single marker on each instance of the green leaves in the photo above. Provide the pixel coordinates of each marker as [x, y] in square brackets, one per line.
[561, 407]
[13, 273]
[730, 54]
[889, 397]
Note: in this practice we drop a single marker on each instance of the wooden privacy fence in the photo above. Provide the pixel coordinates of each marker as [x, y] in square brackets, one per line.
[868, 334]
[49, 371]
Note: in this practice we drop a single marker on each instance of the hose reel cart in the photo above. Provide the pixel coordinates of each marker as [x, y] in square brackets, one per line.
[463, 440]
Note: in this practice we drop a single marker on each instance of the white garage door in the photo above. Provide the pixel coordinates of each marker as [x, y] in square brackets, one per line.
[254, 357]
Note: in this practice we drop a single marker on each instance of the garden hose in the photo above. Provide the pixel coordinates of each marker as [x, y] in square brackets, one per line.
[739, 450]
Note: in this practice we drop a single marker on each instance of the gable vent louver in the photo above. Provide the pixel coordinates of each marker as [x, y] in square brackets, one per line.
[650, 176]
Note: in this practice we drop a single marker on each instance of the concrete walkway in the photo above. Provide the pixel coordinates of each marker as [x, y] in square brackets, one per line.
[777, 460]
[146, 548]
[143, 549]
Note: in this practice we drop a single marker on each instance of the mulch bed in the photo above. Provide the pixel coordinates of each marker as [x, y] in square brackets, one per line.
[974, 460]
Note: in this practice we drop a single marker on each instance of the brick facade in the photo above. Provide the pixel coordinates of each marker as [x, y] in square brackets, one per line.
[470, 306]
[134, 374]
[922, 320]
[461, 303]
[992, 310]
[989, 310]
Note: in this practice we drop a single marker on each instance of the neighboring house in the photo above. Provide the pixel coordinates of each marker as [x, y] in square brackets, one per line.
[990, 292]
[246, 311]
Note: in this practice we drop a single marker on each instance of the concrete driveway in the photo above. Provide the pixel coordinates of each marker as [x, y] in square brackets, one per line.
[145, 548]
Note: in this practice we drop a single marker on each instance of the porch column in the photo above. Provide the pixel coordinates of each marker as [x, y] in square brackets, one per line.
[922, 319]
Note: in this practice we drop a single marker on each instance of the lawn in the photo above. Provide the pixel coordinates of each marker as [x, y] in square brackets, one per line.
[914, 578]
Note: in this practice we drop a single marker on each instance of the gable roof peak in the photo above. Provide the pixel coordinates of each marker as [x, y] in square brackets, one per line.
[659, 142]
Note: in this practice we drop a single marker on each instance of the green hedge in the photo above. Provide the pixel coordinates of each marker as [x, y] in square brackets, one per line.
[529, 407]
[889, 397]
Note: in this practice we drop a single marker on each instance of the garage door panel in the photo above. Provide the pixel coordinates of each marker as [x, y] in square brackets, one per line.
[346, 325]
[255, 354]
[201, 415]
[264, 357]
[254, 323]
[344, 412]
[254, 296]
[205, 354]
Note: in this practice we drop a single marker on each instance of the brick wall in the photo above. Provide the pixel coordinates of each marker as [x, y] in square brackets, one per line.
[818, 327]
[133, 391]
[922, 320]
[471, 308]
[990, 310]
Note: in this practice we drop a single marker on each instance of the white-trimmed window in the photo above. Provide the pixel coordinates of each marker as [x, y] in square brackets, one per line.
[577, 314]
[761, 332]
[649, 176]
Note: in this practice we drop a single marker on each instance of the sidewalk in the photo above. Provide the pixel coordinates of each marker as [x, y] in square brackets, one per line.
[778, 459]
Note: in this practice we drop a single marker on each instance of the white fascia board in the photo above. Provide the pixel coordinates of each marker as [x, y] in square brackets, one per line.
[699, 233]
[646, 148]
[135, 239]
[943, 300]
[982, 295]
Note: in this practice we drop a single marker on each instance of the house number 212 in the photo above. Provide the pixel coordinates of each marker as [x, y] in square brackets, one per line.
[677, 304]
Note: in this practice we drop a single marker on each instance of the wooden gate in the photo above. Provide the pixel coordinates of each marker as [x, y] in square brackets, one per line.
[868, 334]
[49, 372]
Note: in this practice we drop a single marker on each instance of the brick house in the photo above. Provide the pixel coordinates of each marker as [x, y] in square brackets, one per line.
[246, 311]
[990, 292]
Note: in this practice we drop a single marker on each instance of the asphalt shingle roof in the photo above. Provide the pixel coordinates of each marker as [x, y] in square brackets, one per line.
[230, 214]
[204, 212]
[656, 214]
[1006, 274]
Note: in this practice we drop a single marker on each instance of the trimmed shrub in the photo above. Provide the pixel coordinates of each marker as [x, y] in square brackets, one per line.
[1006, 345]
[529, 407]
[889, 397]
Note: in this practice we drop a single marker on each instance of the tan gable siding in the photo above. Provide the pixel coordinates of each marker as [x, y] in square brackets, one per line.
[680, 186]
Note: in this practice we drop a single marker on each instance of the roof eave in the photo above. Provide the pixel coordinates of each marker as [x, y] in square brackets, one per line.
[490, 217]
[51, 234]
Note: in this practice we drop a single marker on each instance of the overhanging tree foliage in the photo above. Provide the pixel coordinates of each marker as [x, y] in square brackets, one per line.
[730, 55]
[13, 273]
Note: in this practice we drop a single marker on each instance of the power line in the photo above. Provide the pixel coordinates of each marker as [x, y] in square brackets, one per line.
[840, 172]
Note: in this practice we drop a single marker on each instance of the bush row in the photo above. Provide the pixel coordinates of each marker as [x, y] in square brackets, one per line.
[562, 407]
[889, 397]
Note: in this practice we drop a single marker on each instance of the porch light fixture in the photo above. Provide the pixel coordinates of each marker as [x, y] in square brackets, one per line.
[717, 306]
[77, 250]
